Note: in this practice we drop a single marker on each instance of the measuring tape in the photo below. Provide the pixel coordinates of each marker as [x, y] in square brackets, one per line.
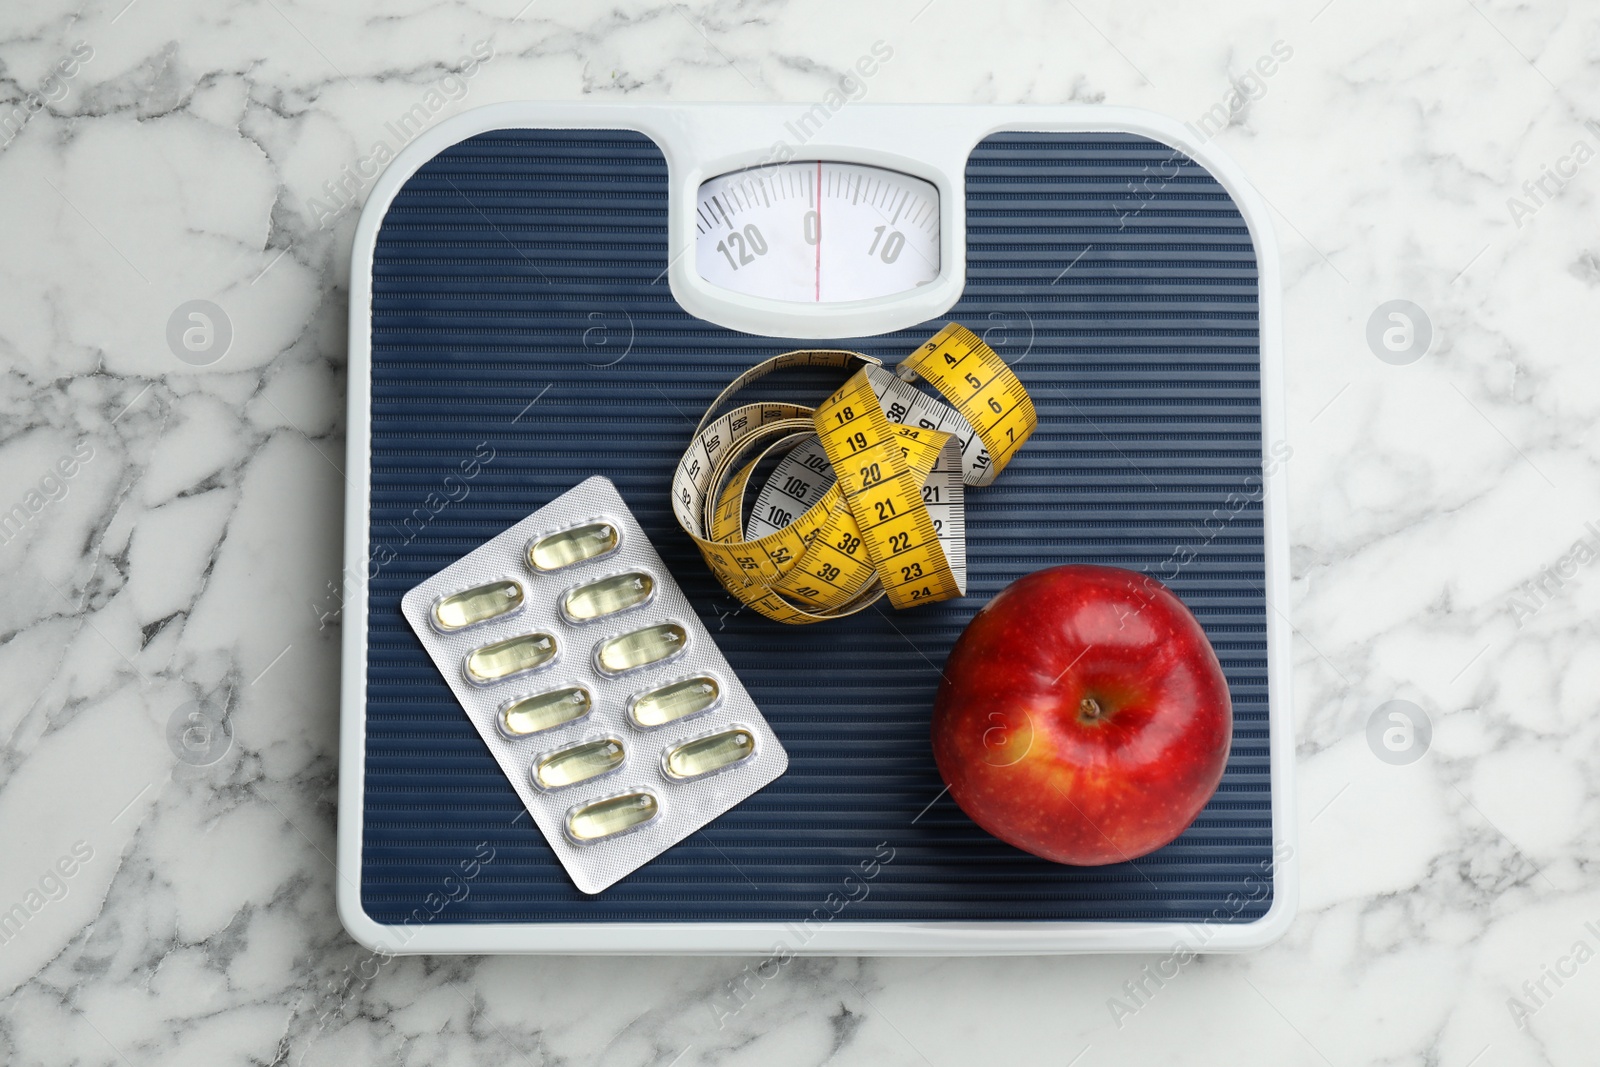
[867, 500]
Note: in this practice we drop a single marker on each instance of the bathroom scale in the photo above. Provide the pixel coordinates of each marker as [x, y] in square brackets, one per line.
[542, 293]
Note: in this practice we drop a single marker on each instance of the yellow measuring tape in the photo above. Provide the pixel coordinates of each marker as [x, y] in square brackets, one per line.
[868, 498]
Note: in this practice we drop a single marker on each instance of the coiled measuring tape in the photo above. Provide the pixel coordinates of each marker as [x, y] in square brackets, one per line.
[868, 499]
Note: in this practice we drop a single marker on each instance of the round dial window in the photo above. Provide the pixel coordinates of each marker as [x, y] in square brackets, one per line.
[817, 232]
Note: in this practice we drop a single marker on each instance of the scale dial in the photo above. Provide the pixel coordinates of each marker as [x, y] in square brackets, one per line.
[817, 232]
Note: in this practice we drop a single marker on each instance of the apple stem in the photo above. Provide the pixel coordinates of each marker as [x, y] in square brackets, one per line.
[1089, 709]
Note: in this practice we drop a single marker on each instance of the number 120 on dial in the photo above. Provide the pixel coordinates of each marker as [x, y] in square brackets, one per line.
[817, 232]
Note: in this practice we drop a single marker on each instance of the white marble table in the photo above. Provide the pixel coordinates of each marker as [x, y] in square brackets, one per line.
[179, 529]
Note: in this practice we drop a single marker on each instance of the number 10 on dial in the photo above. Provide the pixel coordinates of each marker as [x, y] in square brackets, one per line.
[817, 232]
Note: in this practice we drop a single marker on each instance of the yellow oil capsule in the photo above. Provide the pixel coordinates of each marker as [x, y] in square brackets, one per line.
[608, 596]
[573, 546]
[602, 818]
[706, 754]
[534, 714]
[472, 606]
[579, 763]
[676, 701]
[641, 648]
[491, 663]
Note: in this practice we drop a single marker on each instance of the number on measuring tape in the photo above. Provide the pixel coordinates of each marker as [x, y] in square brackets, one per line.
[867, 494]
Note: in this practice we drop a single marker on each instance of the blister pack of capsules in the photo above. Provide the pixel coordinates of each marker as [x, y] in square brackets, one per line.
[597, 688]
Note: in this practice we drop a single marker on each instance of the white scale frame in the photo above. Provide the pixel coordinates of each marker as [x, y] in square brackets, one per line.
[702, 141]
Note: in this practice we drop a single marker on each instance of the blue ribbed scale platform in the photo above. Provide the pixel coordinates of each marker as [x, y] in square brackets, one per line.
[526, 267]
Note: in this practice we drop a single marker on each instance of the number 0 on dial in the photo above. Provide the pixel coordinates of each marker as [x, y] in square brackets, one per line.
[817, 232]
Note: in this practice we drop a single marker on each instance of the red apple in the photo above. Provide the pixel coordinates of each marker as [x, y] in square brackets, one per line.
[1083, 716]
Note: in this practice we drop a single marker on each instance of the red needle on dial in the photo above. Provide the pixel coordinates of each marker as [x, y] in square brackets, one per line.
[819, 231]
